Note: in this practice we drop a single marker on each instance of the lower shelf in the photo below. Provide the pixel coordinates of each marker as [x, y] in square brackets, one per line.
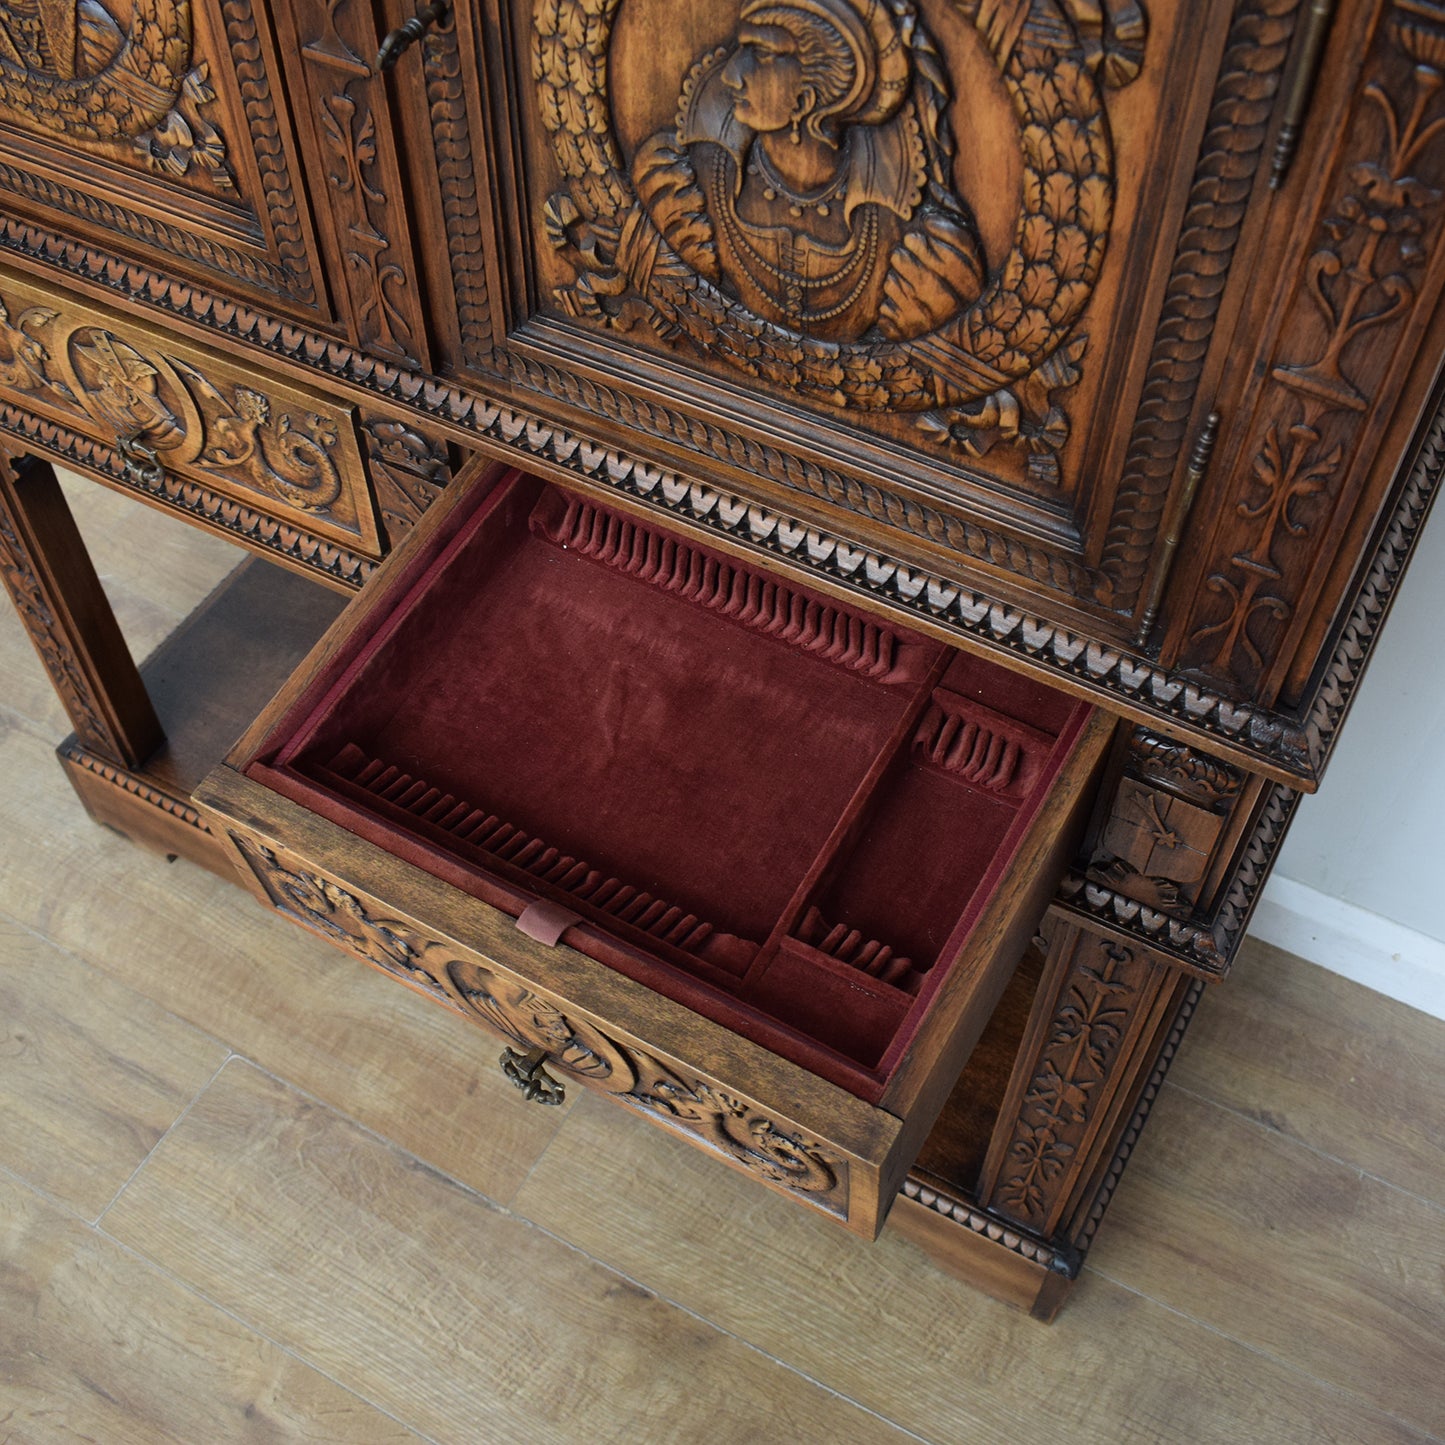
[207, 680]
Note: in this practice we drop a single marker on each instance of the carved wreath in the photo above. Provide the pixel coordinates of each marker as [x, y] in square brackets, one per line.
[987, 372]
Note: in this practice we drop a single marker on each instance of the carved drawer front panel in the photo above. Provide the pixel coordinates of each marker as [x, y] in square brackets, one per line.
[832, 1167]
[184, 420]
[755, 864]
[156, 130]
[953, 266]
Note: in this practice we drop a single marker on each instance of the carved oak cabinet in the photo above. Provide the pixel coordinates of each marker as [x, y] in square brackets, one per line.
[864, 517]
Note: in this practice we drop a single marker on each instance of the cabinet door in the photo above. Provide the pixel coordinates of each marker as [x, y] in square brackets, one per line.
[952, 267]
[155, 130]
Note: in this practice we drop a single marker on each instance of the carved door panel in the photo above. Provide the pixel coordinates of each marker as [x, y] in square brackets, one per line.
[952, 266]
[155, 130]
[1340, 365]
[351, 134]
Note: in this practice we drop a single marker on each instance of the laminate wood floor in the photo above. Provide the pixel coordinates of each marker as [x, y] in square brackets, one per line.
[250, 1191]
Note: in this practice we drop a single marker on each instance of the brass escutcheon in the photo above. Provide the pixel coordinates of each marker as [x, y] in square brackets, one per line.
[527, 1073]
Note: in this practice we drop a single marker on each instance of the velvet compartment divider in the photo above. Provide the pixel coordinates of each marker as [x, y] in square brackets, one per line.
[768, 805]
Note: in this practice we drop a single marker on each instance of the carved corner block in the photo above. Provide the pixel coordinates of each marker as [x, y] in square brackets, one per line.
[408, 470]
[1167, 815]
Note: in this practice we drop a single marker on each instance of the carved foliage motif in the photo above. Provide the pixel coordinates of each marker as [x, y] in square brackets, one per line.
[739, 1131]
[54, 80]
[28, 593]
[820, 245]
[1343, 326]
[164, 412]
[362, 185]
[1105, 991]
[71, 70]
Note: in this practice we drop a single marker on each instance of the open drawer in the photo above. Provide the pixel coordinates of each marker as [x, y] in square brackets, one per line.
[753, 861]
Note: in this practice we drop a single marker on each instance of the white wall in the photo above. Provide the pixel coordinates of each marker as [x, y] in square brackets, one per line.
[1360, 882]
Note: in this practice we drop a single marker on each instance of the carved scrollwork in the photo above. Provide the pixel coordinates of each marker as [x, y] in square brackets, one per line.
[843, 267]
[166, 413]
[340, 916]
[739, 1131]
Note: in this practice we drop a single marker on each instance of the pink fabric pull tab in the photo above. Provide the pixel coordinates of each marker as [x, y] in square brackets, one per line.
[546, 922]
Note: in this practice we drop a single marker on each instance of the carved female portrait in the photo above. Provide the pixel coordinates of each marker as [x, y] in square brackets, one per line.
[800, 221]
[808, 173]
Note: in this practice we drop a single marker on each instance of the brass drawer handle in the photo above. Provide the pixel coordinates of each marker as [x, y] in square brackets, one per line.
[527, 1073]
[408, 34]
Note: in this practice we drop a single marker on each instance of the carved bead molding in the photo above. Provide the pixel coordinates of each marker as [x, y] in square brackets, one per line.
[1223, 180]
[1274, 738]
[740, 1132]
[1168, 811]
[1347, 337]
[22, 581]
[137, 787]
[213, 509]
[456, 178]
[1098, 1000]
[993, 1227]
[1135, 680]
[290, 273]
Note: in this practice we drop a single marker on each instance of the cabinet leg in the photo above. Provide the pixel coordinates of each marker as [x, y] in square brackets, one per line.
[49, 576]
[1102, 1013]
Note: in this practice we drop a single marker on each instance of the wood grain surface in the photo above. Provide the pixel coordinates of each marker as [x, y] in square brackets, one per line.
[98, 1344]
[420, 1295]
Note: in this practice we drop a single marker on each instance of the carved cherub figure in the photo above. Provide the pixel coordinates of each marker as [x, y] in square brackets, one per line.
[810, 172]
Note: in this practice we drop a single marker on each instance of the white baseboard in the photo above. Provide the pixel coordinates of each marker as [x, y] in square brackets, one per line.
[1374, 951]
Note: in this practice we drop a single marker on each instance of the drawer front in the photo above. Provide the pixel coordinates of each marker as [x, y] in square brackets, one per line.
[156, 130]
[821, 1147]
[180, 416]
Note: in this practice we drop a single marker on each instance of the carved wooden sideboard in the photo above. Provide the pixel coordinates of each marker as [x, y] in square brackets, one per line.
[888, 500]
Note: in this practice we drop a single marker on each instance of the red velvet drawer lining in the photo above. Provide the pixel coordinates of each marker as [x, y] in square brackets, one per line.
[781, 812]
